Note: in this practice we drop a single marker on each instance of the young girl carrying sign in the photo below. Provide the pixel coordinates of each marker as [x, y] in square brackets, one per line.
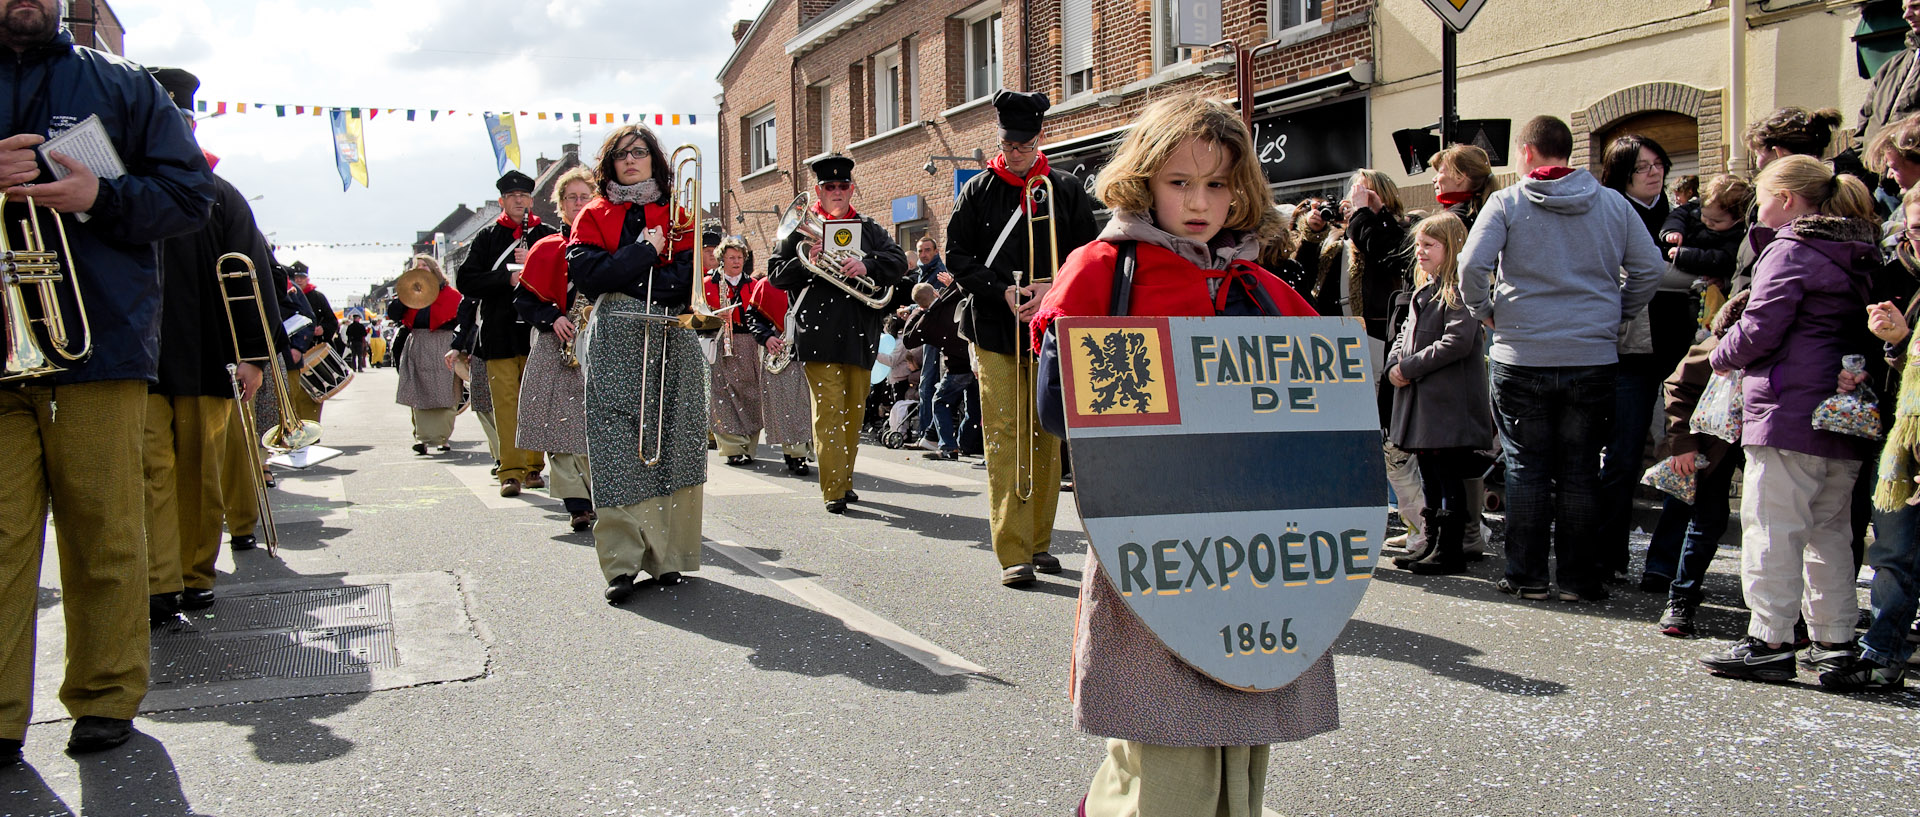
[1189, 201]
[1440, 409]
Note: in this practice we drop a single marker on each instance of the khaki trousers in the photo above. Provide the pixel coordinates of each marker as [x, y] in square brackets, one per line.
[839, 404]
[568, 476]
[731, 445]
[493, 437]
[503, 380]
[303, 404]
[237, 497]
[659, 535]
[433, 426]
[1796, 544]
[1015, 466]
[186, 442]
[1145, 780]
[78, 447]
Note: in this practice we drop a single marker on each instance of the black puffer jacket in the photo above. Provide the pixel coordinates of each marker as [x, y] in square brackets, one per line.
[167, 191]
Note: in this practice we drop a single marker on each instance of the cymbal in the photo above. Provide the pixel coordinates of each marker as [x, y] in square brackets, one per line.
[417, 288]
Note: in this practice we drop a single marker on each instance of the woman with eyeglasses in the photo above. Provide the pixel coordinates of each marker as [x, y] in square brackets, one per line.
[553, 416]
[646, 380]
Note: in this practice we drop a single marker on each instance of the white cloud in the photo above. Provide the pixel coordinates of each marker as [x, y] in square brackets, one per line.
[621, 56]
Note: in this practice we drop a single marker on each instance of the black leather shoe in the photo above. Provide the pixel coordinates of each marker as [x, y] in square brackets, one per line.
[1046, 563]
[9, 752]
[850, 496]
[739, 460]
[671, 578]
[797, 466]
[92, 733]
[245, 542]
[419, 448]
[619, 589]
[837, 506]
[194, 598]
[163, 611]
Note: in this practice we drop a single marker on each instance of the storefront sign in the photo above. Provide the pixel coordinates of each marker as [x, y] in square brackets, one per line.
[1323, 141]
[908, 208]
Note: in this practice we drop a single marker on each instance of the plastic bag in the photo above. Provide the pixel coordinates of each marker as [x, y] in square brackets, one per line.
[1662, 477]
[1718, 412]
[1855, 413]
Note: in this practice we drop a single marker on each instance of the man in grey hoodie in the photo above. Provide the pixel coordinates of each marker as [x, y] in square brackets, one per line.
[1543, 268]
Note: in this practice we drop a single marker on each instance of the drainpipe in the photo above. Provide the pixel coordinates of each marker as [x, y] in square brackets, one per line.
[1733, 114]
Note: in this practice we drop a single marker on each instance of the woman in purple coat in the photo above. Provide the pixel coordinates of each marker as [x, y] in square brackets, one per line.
[1816, 254]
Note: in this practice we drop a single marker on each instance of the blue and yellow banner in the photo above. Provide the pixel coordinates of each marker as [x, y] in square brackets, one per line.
[505, 140]
[349, 149]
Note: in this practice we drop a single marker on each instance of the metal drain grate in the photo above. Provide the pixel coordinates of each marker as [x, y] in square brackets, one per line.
[332, 631]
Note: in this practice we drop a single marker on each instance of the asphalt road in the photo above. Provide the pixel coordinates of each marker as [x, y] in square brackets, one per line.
[739, 694]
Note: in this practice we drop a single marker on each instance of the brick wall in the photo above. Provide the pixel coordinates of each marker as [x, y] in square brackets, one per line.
[761, 74]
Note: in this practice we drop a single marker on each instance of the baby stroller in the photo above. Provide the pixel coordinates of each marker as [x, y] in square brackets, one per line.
[903, 424]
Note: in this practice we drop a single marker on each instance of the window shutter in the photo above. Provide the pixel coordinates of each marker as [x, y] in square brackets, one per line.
[1076, 35]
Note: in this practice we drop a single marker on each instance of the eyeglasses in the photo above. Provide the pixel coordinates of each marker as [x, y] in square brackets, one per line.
[577, 197]
[1019, 147]
[836, 186]
[1644, 168]
[635, 154]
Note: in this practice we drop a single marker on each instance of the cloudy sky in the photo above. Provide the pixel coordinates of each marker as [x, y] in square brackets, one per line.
[466, 55]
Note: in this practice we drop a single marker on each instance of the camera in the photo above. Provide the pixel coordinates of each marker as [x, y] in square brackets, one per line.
[1330, 213]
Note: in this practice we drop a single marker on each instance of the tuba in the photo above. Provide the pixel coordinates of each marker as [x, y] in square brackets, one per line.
[292, 433]
[1038, 192]
[800, 220]
[41, 268]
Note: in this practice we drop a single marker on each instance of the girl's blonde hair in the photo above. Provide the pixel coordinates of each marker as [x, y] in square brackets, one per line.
[431, 265]
[1451, 233]
[1163, 127]
[1381, 184]
[1809, 178]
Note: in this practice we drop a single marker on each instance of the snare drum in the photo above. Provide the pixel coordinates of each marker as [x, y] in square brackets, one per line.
[324, 372]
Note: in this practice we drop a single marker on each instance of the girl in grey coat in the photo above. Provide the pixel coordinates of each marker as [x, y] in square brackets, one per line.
[1441, 412]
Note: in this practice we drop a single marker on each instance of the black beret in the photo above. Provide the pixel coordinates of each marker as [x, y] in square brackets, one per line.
[180, 85]
[297, 268]
[1021, 114]
[514, 182]
[833, 167]
[710, 238]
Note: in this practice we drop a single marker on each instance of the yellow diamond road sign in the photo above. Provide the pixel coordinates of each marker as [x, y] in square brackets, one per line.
[1456, 13]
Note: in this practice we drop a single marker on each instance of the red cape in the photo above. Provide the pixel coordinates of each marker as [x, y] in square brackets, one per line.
[1164, 284]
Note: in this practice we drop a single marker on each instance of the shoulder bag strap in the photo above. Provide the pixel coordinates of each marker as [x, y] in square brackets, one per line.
[1123, 269]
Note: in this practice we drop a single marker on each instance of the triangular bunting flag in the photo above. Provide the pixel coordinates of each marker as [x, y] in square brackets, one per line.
[576, 117]
[242, 107]
[625, 116]
[221, 108]
[433, 115]
[203, 106]
[410, 113]
[373, 112]
[690, 120]
[279, 110]
[593, 119]
[676, 119]
[659, 119]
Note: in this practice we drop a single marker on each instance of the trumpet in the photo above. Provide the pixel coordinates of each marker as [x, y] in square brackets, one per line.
[799, 219]
[36, 265]
[1039, 191]
[683, 219]
[292, 433]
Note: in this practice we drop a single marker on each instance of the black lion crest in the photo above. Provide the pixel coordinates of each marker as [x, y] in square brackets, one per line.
[1119, 370]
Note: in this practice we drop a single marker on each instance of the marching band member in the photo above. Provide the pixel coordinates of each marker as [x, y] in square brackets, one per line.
[238, 502]
[479, 394]
[501, 338]
[73, 437]
[326, 329]
[1190, 202]
[836, 336]
[188, 407]
[553, 397]
[645, 375]
[784, 406]
[427, 385]
[739, 386]
[987, 249]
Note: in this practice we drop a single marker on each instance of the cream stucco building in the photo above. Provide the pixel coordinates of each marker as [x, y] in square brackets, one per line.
[1658, 67]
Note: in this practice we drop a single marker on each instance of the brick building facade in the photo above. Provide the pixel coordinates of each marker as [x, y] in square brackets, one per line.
[904, 89]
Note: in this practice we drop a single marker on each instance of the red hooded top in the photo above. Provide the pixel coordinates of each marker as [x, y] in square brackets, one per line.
[1164, 285]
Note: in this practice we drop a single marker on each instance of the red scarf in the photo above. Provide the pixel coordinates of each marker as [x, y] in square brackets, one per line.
[532, 222]
[307, 287]
[999, 167]
[444, 310]
[1448, 200]
[822, 213]
[1547, 174]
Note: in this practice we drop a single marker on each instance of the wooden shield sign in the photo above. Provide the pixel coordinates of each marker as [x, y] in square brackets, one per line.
[1229, 475]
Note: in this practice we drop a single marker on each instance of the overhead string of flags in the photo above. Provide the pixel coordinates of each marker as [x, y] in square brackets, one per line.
[350, 136]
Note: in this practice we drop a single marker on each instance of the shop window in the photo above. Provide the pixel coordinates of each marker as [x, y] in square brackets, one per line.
[1295, 13]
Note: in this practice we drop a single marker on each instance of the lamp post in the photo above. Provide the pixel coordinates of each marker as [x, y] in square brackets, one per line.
[1243, 73]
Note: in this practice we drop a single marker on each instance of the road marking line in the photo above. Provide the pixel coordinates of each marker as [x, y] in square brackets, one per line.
[487, 489]
[877, 466]
[923, 652]
[725, 480]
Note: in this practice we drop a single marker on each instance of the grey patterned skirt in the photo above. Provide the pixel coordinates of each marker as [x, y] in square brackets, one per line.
[737, 389]
[425, 380]
[479, 395]
[614, 368]
[553, 401]
[788, 407]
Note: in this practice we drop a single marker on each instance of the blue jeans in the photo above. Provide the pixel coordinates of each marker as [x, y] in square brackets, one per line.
[1895, 558]
[1634, 396]
[949, 403]
[1688, 535]
[1553, 422]
[929, 382]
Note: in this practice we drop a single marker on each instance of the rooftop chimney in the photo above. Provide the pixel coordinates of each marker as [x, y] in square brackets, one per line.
[740, 29]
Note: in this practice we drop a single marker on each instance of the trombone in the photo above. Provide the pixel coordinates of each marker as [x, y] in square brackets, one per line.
[800, 218]
[36, 265]
[1039, 190]
[292, 433]
[683, 219]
